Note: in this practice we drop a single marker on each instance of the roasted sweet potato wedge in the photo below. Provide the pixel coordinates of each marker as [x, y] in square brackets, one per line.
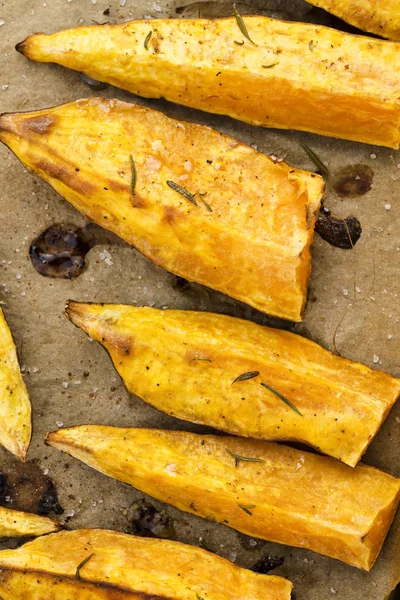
[98, 564]
[263, 489]
[241, 377]
[381, 17]
[195, 201]
[15, 406]
[14, 523]
[289, 75]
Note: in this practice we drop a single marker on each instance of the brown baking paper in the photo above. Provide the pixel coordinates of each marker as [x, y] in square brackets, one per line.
[72, 381]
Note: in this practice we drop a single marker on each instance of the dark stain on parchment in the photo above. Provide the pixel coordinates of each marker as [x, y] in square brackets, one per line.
[60, 251]
[353, 180]
[24, 486]
[147, 521]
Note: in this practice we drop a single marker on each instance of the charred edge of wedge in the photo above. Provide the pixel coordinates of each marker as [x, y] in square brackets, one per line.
[113, 591]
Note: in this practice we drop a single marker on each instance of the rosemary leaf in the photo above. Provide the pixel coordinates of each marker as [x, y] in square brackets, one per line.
[245, 508]
[181, 190]
[201, 196]
[245, 376]
[242, 25]
[81, 565]
[238, 43]
[315, 159]
[134, 175]
[201, 358]
[146, 41]
[311, 45]
[239, 458]
[281, 397]
[270, 66]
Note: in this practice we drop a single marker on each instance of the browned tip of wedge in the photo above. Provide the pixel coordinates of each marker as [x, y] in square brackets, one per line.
[7, 122]
[75, 312]
[21, 46]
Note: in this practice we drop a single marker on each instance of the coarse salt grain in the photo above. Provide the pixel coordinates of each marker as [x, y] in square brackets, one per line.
[390, 336]
[2, 21]
[388, 206]
[59, 423]
[373, 156]
[345, 292]
[358, 289]
[65, 384]
[375, 358]
[333, 591]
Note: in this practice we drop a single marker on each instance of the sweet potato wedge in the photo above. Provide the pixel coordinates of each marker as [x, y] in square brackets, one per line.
[145, 177]
[263, 489]
[294, 75]
[99, 564]
[14, 523]
[15, 406]
[381, 17]
[190, 366]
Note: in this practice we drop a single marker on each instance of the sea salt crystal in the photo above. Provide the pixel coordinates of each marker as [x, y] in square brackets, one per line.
[46, 472]
[2, 21]
[358, 289]
[390, 336]
[5, 87]
[333, 591]
[253, 543]
[122, 2]
[375, 358]
[373, 156]
[345, 292]
[59, 423]
[18, 276]
[65, 384]
[388, 206]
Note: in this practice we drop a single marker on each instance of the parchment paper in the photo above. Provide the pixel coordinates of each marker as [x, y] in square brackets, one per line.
[54, 353]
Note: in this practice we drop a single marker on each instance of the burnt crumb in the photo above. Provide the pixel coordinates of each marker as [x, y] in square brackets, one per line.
[106, 12]
[181, 284]
[60, 250]
[341, 233]
[353, 180]
[147, 521]
[25, 487]
[267, 563]
[93, 83]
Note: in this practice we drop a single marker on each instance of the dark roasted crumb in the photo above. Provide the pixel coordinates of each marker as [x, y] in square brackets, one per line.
[267, 563]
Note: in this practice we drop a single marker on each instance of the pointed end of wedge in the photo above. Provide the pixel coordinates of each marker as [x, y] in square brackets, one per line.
[75, 312]
[7, 123]
[22, 46]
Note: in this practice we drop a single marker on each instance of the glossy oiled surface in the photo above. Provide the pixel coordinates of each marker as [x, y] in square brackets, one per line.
[381, 17]
[184, 363]
[14, 523]
[322, 80]
[15, 407]
[291, 497]
[253, 241]
[147, 568]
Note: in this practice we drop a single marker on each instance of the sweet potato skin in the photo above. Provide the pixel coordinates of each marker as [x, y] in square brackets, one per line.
[184, 363]
[254, 242]
[323, 80]
[125, 567]
[376, 16]
[290, 497]
[14, 523]
[15, 406]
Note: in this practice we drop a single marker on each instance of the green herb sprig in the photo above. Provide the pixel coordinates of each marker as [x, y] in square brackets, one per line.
[283, 398]
[242, 25]
[239, 458]
[183, 192]
[270, 66]
[134, 174]
[245, 376]
[201, 358]
[146, 41]
[315, 159]
[201, 196]
[81, 565]
[246, 508]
